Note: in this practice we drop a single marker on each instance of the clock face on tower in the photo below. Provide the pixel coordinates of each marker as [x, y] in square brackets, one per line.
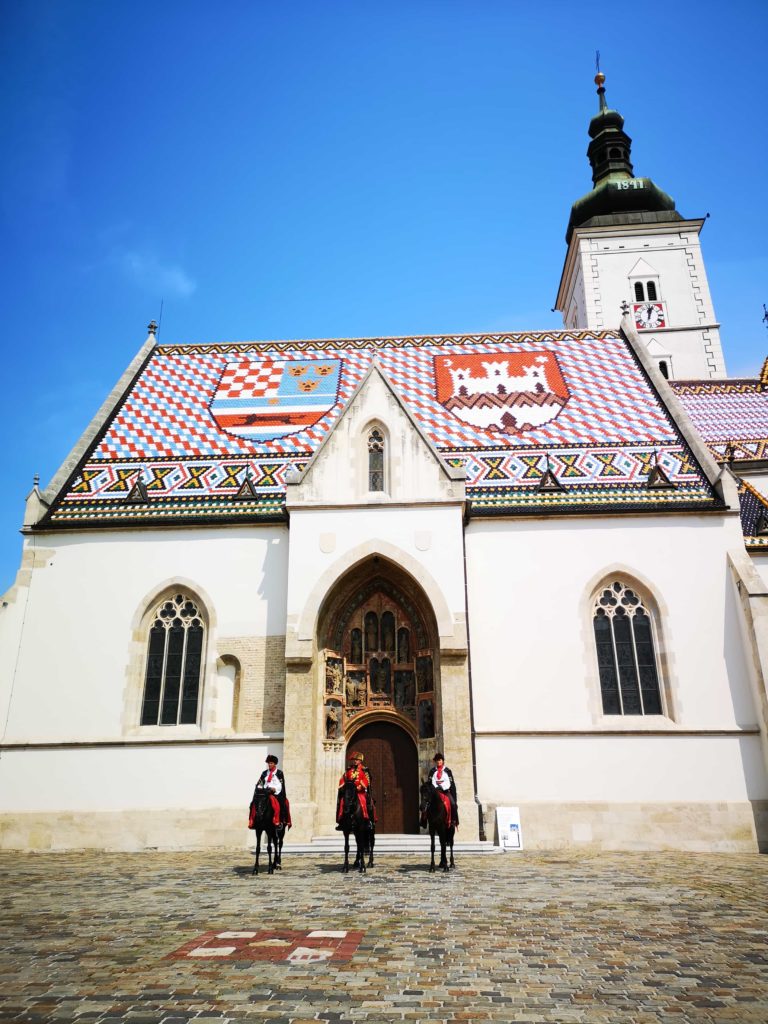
[649, 315]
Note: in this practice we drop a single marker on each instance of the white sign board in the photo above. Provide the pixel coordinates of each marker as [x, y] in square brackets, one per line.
[510, 832]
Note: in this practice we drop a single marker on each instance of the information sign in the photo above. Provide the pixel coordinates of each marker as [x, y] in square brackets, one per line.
[510, 832]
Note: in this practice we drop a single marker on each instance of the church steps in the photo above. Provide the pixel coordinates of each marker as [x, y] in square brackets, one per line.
[386, 844]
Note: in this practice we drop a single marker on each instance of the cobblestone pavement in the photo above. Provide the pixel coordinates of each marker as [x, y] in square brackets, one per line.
[521, 937]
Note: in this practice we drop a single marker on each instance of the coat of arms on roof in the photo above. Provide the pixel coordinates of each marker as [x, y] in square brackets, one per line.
[507, 392]
[269, 398]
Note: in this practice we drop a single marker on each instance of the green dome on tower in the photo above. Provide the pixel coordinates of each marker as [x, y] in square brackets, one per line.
[618, 197]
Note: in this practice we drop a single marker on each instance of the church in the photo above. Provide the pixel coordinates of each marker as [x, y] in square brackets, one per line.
[544, 554]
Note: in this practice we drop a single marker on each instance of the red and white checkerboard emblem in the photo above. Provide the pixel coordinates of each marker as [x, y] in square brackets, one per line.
[270, 398]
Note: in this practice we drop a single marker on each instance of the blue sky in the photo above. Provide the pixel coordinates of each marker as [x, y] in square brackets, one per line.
[333, 169]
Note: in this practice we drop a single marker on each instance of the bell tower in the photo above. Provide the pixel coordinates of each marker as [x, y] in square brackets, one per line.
[628, 243]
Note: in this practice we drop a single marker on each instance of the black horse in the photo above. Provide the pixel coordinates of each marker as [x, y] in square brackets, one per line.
[437, 820]
[263, 816]
[354, 822]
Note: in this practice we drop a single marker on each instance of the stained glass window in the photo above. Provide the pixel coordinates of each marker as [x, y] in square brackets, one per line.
[174, 664]
[375, 460]
[626, 657]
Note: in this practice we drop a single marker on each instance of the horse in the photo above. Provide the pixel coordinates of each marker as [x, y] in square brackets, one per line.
[437, 820]
[263, 816]
[354, 822]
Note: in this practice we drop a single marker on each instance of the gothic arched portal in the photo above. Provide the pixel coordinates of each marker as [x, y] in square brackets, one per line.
[380, 680]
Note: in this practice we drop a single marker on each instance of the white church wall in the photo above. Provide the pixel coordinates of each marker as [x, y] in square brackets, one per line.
[426, 541]
[760, 562]
[759, 480]
[619, 769]
[84, 607]
[192, 776]
[529, 584]
[169, 796]
[534, 668]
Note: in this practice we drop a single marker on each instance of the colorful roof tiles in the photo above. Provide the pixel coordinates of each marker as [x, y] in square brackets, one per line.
[730, 415]
[210, 431]
[753, 508]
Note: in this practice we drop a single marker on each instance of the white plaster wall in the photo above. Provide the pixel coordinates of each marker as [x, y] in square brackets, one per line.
[84, 603]
[758, 480]
[532, 648]
[327, 542]
[12, 612]
[760, 562]
[616, 769]
[137, 777]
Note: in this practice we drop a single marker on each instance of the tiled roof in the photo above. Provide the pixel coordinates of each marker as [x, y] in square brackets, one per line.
[731, 415]
[210, 431]
[753, 508]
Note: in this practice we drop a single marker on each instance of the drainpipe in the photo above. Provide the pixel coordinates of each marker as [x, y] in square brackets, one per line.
[481, 823]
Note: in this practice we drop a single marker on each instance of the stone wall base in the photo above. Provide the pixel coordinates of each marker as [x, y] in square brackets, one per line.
[126, 831]
[694, 827]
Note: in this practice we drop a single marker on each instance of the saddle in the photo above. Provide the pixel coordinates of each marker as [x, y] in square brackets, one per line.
[447, 805]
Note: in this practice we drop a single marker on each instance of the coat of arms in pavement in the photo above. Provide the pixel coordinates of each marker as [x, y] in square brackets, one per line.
[509, 392]
[269, 398]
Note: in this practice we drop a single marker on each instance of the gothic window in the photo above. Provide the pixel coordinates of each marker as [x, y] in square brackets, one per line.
[375, 460]
[626, 656]
[174, 663]
[639, 296]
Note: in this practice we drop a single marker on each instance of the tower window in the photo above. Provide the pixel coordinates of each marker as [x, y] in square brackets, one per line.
[664, 368]
[375, 460]
[651, 290]
[639, 294]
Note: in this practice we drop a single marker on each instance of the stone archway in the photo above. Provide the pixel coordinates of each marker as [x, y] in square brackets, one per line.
[378, 664]
[378, 646]
[392, 758]
[377, 651]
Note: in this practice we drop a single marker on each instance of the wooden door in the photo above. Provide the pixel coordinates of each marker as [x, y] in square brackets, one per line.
[391, 756]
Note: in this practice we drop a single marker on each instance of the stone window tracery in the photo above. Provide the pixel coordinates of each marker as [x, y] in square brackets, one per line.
[174, 663]
[626, 654]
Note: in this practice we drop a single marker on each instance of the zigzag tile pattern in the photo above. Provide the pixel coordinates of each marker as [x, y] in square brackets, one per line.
[601, 444]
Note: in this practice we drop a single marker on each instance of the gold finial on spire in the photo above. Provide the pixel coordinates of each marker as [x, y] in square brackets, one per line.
[600, 81]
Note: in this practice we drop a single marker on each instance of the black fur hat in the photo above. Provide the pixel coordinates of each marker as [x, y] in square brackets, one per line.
[271, 757]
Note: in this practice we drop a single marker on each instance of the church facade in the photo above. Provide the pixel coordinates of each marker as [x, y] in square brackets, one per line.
[541, 553]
